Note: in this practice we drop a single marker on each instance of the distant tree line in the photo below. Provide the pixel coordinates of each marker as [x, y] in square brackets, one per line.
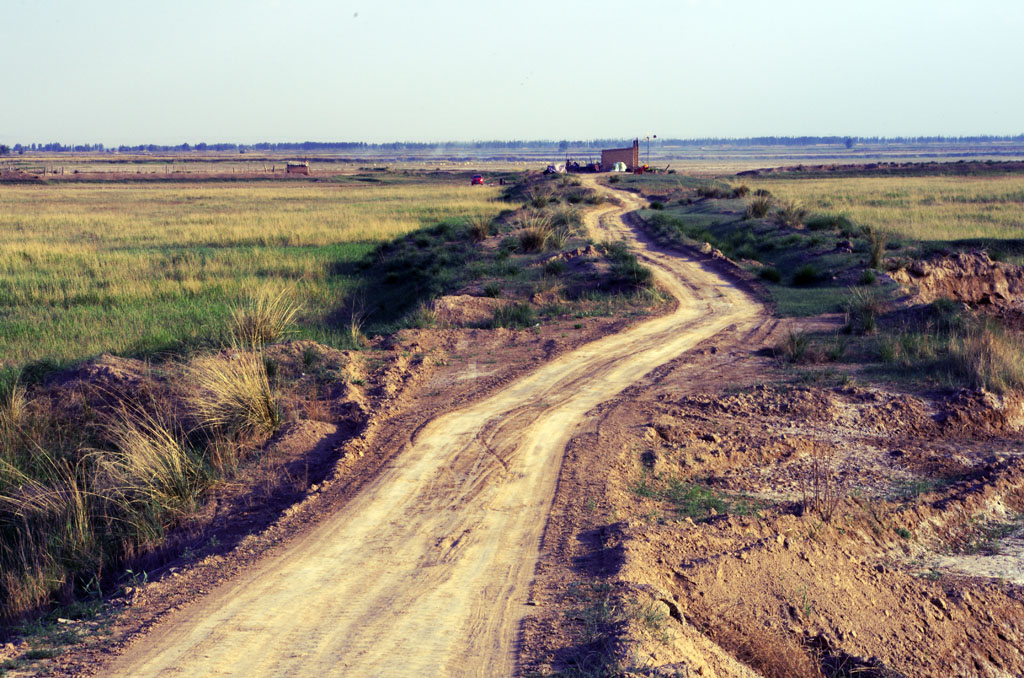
[562, 145]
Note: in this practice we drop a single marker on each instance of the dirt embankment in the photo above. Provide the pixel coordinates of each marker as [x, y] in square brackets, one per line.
[969, 277]
[691, 501]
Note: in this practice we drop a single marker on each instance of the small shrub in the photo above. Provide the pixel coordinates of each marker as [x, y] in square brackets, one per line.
[614, 179]
[516, 315]
[657, 205]
[762, 193]
[771, 274]
[868, 277]
[805, 275]
[821, 486]
[741, 191]
[759, 206]
[492, 289]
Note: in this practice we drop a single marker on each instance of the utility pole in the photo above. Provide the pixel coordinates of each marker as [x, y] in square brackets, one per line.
[649, 137]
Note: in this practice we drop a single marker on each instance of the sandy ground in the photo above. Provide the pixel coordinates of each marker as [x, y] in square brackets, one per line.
[427, 570]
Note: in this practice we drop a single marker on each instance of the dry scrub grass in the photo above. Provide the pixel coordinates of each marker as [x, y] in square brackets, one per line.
[265, 318]
[989, 358]
[923, 208]
[233, 394]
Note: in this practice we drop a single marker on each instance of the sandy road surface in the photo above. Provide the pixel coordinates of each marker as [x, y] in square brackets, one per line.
[426, 572]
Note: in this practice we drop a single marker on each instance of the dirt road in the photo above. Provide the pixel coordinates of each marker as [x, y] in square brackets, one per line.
[426, 572]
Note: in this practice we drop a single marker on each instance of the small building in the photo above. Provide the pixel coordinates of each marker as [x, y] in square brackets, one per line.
[629, 156]
[297, 168]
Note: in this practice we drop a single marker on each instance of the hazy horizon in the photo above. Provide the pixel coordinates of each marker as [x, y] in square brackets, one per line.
[117, 73]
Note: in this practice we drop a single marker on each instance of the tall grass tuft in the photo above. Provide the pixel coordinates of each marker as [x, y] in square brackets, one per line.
[791, 214]
[862, 311]
[536, 230]
[759, 206]
[989, 358]
[266, 317]
[233, 396]
[480, 228]
[151, 466]
[876, 246]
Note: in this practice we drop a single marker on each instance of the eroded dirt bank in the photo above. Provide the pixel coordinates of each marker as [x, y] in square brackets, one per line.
[426, 571]
[685, 539]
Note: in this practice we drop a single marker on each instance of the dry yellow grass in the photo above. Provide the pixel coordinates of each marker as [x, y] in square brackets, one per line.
[921, 208]
[88, 268]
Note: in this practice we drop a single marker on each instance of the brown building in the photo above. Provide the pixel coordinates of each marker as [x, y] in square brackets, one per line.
[630, 156]
[297, 168]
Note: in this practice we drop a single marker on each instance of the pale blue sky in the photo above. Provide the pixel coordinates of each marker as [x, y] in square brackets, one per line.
[141, 71]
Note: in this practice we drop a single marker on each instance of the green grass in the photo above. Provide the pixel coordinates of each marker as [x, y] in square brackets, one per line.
[140, 269]
[940, 208]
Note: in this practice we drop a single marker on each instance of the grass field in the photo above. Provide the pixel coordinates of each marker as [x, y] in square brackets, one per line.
[130, 268]
[939, 208]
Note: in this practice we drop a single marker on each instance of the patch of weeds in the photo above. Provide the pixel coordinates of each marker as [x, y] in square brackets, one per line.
[694, 501]
[836, 347]
[759, 206]
[876, 246]
[771, 274]
[492, 289]
[794, 347]
[862, 311]
[516, 315]
[805, 275]
[555, 267]
[903, 532]
[868, 277]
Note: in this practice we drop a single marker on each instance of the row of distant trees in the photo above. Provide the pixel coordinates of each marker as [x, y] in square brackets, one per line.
[498, 145]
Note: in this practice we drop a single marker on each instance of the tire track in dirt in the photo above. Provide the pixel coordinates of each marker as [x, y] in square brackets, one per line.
[426, 571]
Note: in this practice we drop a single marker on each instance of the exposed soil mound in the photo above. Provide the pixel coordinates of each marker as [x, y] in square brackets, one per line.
[464, 310]
[970, 277]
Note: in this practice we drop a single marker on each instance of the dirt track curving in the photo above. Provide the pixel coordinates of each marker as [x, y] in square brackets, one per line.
[427, 571]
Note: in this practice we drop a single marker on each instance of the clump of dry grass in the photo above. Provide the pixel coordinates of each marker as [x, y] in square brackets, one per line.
[265, 318]
[876, 245]
[759, 206]
[862, 311]
[791, 214]
[989, 358]
[480, 228]
[536, 231]
[151, 464]
[233, 395]
[13, 412]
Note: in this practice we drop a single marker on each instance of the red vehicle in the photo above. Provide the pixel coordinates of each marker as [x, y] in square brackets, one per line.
[477, 180]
